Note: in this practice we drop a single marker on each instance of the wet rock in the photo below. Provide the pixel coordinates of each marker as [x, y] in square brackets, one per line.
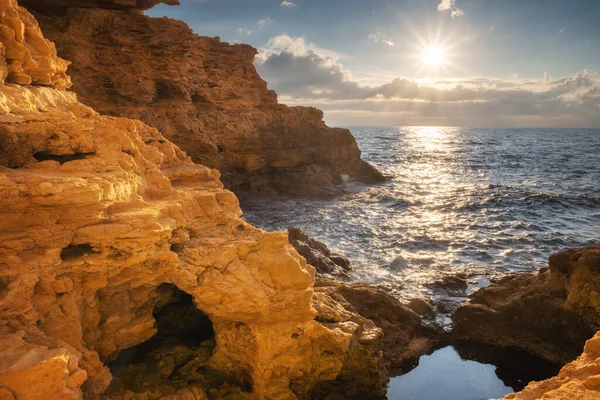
[318, 255]
[421, 307]
[550, 314]
[399, 263]
[451, 286]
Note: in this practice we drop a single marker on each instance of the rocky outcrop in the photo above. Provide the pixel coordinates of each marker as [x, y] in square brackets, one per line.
[26, 57]
[550, 314]
[327, 263]
[204, 95]
[579, 379]
[405, 339]
[111, 238]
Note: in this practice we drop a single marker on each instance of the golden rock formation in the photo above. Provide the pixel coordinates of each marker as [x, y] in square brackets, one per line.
[26, 57]
[579, 379]
[104, 224]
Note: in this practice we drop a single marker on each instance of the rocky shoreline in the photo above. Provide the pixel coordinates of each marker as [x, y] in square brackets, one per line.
[126, 271]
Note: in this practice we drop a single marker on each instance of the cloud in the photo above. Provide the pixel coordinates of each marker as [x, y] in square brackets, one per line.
[381, 38]
[243, 31]
[264, 22]
[446, 5]
[288, 4]
[304, 74]
[457, 12]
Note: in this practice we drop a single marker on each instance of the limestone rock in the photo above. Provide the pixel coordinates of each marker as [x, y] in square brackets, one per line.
[26, 57]
[318, 255]
[98, 213]
[205, 96]
[579, 379]
[550, 314]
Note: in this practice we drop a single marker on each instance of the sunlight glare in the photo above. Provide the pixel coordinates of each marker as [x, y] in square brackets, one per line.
[433, 56]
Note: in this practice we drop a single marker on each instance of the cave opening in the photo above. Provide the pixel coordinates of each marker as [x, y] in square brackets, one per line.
[175, 356]
[63, 158]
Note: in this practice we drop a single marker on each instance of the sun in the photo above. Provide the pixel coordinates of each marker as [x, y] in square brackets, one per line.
[433, 56]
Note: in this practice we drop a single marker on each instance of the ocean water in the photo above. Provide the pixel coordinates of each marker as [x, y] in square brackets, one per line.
[473, 203]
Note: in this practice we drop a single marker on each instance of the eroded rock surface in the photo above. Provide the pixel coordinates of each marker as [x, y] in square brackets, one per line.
[550, 314]
[205, 96]
[104, 226]
[99, 212]
[579, 379]
[26, 57]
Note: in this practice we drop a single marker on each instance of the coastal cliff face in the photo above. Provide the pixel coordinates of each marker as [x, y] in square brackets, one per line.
[111, 238]
[202, 94]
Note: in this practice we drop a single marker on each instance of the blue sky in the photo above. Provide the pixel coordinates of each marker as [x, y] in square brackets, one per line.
[545, 51]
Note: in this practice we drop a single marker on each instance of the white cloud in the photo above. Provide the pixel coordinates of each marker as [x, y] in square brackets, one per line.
[381, 38]
[243, 31]
[264, 22]
[288, 4]
[446, 5]
[547, 77]
[457, 12]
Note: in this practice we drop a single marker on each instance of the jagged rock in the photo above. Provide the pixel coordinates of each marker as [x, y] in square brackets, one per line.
[205, 96]
[23, 363]
[579, 379]
[550, 314]
[318, 255]
[99, 212]
[26, 57]
[404, 338]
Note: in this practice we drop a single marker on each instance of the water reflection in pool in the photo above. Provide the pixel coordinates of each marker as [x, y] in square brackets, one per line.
[469, 372]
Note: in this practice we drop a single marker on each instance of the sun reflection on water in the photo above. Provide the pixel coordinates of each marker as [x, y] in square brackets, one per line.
[461, 202]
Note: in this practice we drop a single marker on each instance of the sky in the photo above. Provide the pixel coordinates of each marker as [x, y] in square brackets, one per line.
[484, 63]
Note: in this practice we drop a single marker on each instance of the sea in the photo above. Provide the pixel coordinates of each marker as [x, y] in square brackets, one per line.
[461, 208]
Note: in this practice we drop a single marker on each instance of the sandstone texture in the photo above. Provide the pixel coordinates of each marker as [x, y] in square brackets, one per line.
[579, 379]
[202, 94]
[26, 57]
[98, 214]
[550, 314]
[116, 250]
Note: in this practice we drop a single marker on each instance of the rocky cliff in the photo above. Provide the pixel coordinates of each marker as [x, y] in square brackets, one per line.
[202, 94]
[550, 314]
[127, 272]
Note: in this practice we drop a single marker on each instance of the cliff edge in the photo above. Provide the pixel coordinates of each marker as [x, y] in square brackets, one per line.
[202, 94]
